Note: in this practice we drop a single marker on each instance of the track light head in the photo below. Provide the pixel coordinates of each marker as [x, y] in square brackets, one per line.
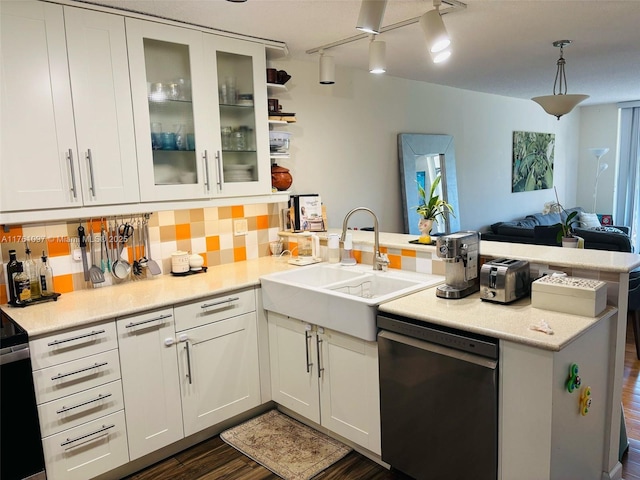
[434, 31]
[377, 54]
[327, 69]
[371, 13]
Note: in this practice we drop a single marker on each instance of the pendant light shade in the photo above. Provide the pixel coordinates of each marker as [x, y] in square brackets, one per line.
[371, 13]
[560, 103]
[377, 56]
[327, 70]
[434, 31]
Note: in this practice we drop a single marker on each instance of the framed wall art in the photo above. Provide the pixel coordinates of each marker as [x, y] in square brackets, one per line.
[532, 161]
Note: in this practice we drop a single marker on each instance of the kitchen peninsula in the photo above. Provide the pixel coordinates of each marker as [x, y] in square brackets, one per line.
[533, 366]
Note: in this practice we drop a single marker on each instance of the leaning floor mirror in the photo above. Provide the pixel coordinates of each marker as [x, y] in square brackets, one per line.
[422, 158]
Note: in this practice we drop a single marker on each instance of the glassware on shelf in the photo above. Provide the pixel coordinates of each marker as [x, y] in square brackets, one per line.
[238, 140]
[228, 91]
[225, 132]
[180, 136]
[168, 141]
[184, 89]
[156, 136]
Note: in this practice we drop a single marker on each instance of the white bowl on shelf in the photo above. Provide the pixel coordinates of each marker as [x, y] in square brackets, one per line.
[279, 141]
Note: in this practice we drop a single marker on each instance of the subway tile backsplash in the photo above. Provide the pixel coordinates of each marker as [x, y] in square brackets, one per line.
[205, 231]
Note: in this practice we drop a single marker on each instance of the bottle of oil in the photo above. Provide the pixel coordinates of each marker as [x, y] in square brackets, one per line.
[12, 270]
[22, 285]
[31, 270]
[46, 277]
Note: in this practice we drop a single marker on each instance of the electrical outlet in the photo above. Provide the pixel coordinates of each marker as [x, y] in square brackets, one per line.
[240, 227]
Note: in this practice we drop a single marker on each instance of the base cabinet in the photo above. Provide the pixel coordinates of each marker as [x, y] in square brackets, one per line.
[148, 357]
[326, 376]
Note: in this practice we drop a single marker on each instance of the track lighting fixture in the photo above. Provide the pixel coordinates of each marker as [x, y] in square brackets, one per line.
[371, 13]
[441, 56]
[434, 30]
[327, 69]
[377, 54]
[560, 103]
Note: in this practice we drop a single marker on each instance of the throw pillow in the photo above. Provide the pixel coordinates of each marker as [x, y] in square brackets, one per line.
[588, 220]
[607, 229]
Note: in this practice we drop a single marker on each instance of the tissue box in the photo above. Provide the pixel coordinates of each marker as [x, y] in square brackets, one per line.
[578, 296]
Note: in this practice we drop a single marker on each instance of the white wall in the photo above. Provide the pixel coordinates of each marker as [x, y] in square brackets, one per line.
[598, 128]
[344, 144]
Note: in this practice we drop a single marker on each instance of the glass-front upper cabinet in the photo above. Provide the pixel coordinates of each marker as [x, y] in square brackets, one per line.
[174, 139]
[238, 74]
[199, 133]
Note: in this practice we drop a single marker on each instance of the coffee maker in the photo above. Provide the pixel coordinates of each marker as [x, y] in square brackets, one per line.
[460, 252]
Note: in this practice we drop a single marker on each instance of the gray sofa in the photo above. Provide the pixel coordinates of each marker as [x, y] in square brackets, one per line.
[542, 229]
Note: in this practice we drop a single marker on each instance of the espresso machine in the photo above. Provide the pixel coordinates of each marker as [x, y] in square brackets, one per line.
[460, 252]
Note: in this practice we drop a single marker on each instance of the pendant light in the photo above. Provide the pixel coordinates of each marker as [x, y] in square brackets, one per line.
[560, 103]
[377, 56]
[434, 29]
[371, 13]
[327, 69]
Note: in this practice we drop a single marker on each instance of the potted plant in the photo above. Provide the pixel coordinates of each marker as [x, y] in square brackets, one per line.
[566, 234]
[430, 209]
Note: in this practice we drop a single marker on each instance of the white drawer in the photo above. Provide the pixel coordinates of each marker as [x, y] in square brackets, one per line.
[88, 450]
[72, 344]
[214, 309]
[73, 377]
[76, 409]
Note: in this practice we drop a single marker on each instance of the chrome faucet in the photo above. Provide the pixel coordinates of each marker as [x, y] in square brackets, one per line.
[380, 261]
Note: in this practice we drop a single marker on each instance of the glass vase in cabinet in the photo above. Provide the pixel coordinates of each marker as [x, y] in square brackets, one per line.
[238, 68]
[173, 125]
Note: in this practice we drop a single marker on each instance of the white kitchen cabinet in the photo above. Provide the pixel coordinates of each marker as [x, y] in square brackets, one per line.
[218, 360]
[78, 389]
[149, 365]
[176, 76]
[60, 64]
[326, 376]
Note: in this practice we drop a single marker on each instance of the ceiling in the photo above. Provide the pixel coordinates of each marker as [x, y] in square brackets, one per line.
[501, 47]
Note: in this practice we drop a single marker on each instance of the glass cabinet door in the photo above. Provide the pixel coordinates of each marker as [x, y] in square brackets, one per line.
[240, 82]
[172, 140]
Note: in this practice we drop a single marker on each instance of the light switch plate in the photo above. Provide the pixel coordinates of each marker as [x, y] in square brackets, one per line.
[240, 227]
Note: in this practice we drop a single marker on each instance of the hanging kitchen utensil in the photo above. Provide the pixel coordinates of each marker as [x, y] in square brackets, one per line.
[143, 246]
[136, 268]
[154, 268]
[83, 252]
[121, 267]
[95, 274]
[104, 250]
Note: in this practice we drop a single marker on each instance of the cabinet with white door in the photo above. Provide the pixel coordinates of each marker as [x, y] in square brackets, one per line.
[217, 358]
[148, 355]
[80, 403]
[67, 121]
[326, 376]
[187, 85]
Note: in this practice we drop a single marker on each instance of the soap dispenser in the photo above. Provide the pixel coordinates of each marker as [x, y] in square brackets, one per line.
[347, 252]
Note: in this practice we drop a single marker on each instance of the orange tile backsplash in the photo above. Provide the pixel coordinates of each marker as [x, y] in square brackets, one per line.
[205, 231]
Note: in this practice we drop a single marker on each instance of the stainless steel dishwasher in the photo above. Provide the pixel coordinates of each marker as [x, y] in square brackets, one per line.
[438, 400]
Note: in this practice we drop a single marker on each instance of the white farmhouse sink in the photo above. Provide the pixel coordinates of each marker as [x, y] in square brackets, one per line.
[338, 297]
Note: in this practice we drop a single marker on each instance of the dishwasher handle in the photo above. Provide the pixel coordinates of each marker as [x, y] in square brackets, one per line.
[439, 349]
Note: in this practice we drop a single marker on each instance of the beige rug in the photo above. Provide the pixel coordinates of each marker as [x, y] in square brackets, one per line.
[285, 446]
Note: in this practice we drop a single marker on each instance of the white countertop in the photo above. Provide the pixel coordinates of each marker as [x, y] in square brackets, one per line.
[506, 322]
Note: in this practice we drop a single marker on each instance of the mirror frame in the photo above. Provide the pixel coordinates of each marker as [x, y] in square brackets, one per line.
[410, 147]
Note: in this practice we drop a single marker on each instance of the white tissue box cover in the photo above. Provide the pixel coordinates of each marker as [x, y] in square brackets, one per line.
[578, 296]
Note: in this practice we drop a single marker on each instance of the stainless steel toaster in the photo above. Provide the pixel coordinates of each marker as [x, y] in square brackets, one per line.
[504, 280]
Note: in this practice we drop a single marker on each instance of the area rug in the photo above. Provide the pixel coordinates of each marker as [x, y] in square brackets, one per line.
[285, 446]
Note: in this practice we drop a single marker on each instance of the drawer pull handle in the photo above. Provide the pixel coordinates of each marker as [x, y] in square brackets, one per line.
[318, 347]
[73, 188]
[307, 337]
[97, 399]
[62, 375]
[58, 342]
[135, 324]
[186, 346]
[70, 441]
[92, 183]
[221, 302]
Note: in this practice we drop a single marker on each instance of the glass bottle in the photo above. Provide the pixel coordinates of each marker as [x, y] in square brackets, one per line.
[22, 285]
[31, 270]
[46, 277]
[12, 270]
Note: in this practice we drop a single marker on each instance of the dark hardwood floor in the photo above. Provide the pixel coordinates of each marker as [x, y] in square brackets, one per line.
[215, 460]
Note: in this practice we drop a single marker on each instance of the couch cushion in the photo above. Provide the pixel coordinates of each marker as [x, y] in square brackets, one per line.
[546, 234]
[545, 218]
[588, 220]
[513, 228]
[607, 229]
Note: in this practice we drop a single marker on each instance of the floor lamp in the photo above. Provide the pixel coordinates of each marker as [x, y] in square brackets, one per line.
[599, 153]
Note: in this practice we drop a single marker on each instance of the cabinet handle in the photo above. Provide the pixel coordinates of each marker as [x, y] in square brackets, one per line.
[58, 342]
[318, 342]
[186, 346]
[97, 399]
[70, 441]
[92, 184]
[307, 337]
[220, 302]
[142, 322]
[205, 159]
[63, 375]
[73, 174]
[219, 167]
